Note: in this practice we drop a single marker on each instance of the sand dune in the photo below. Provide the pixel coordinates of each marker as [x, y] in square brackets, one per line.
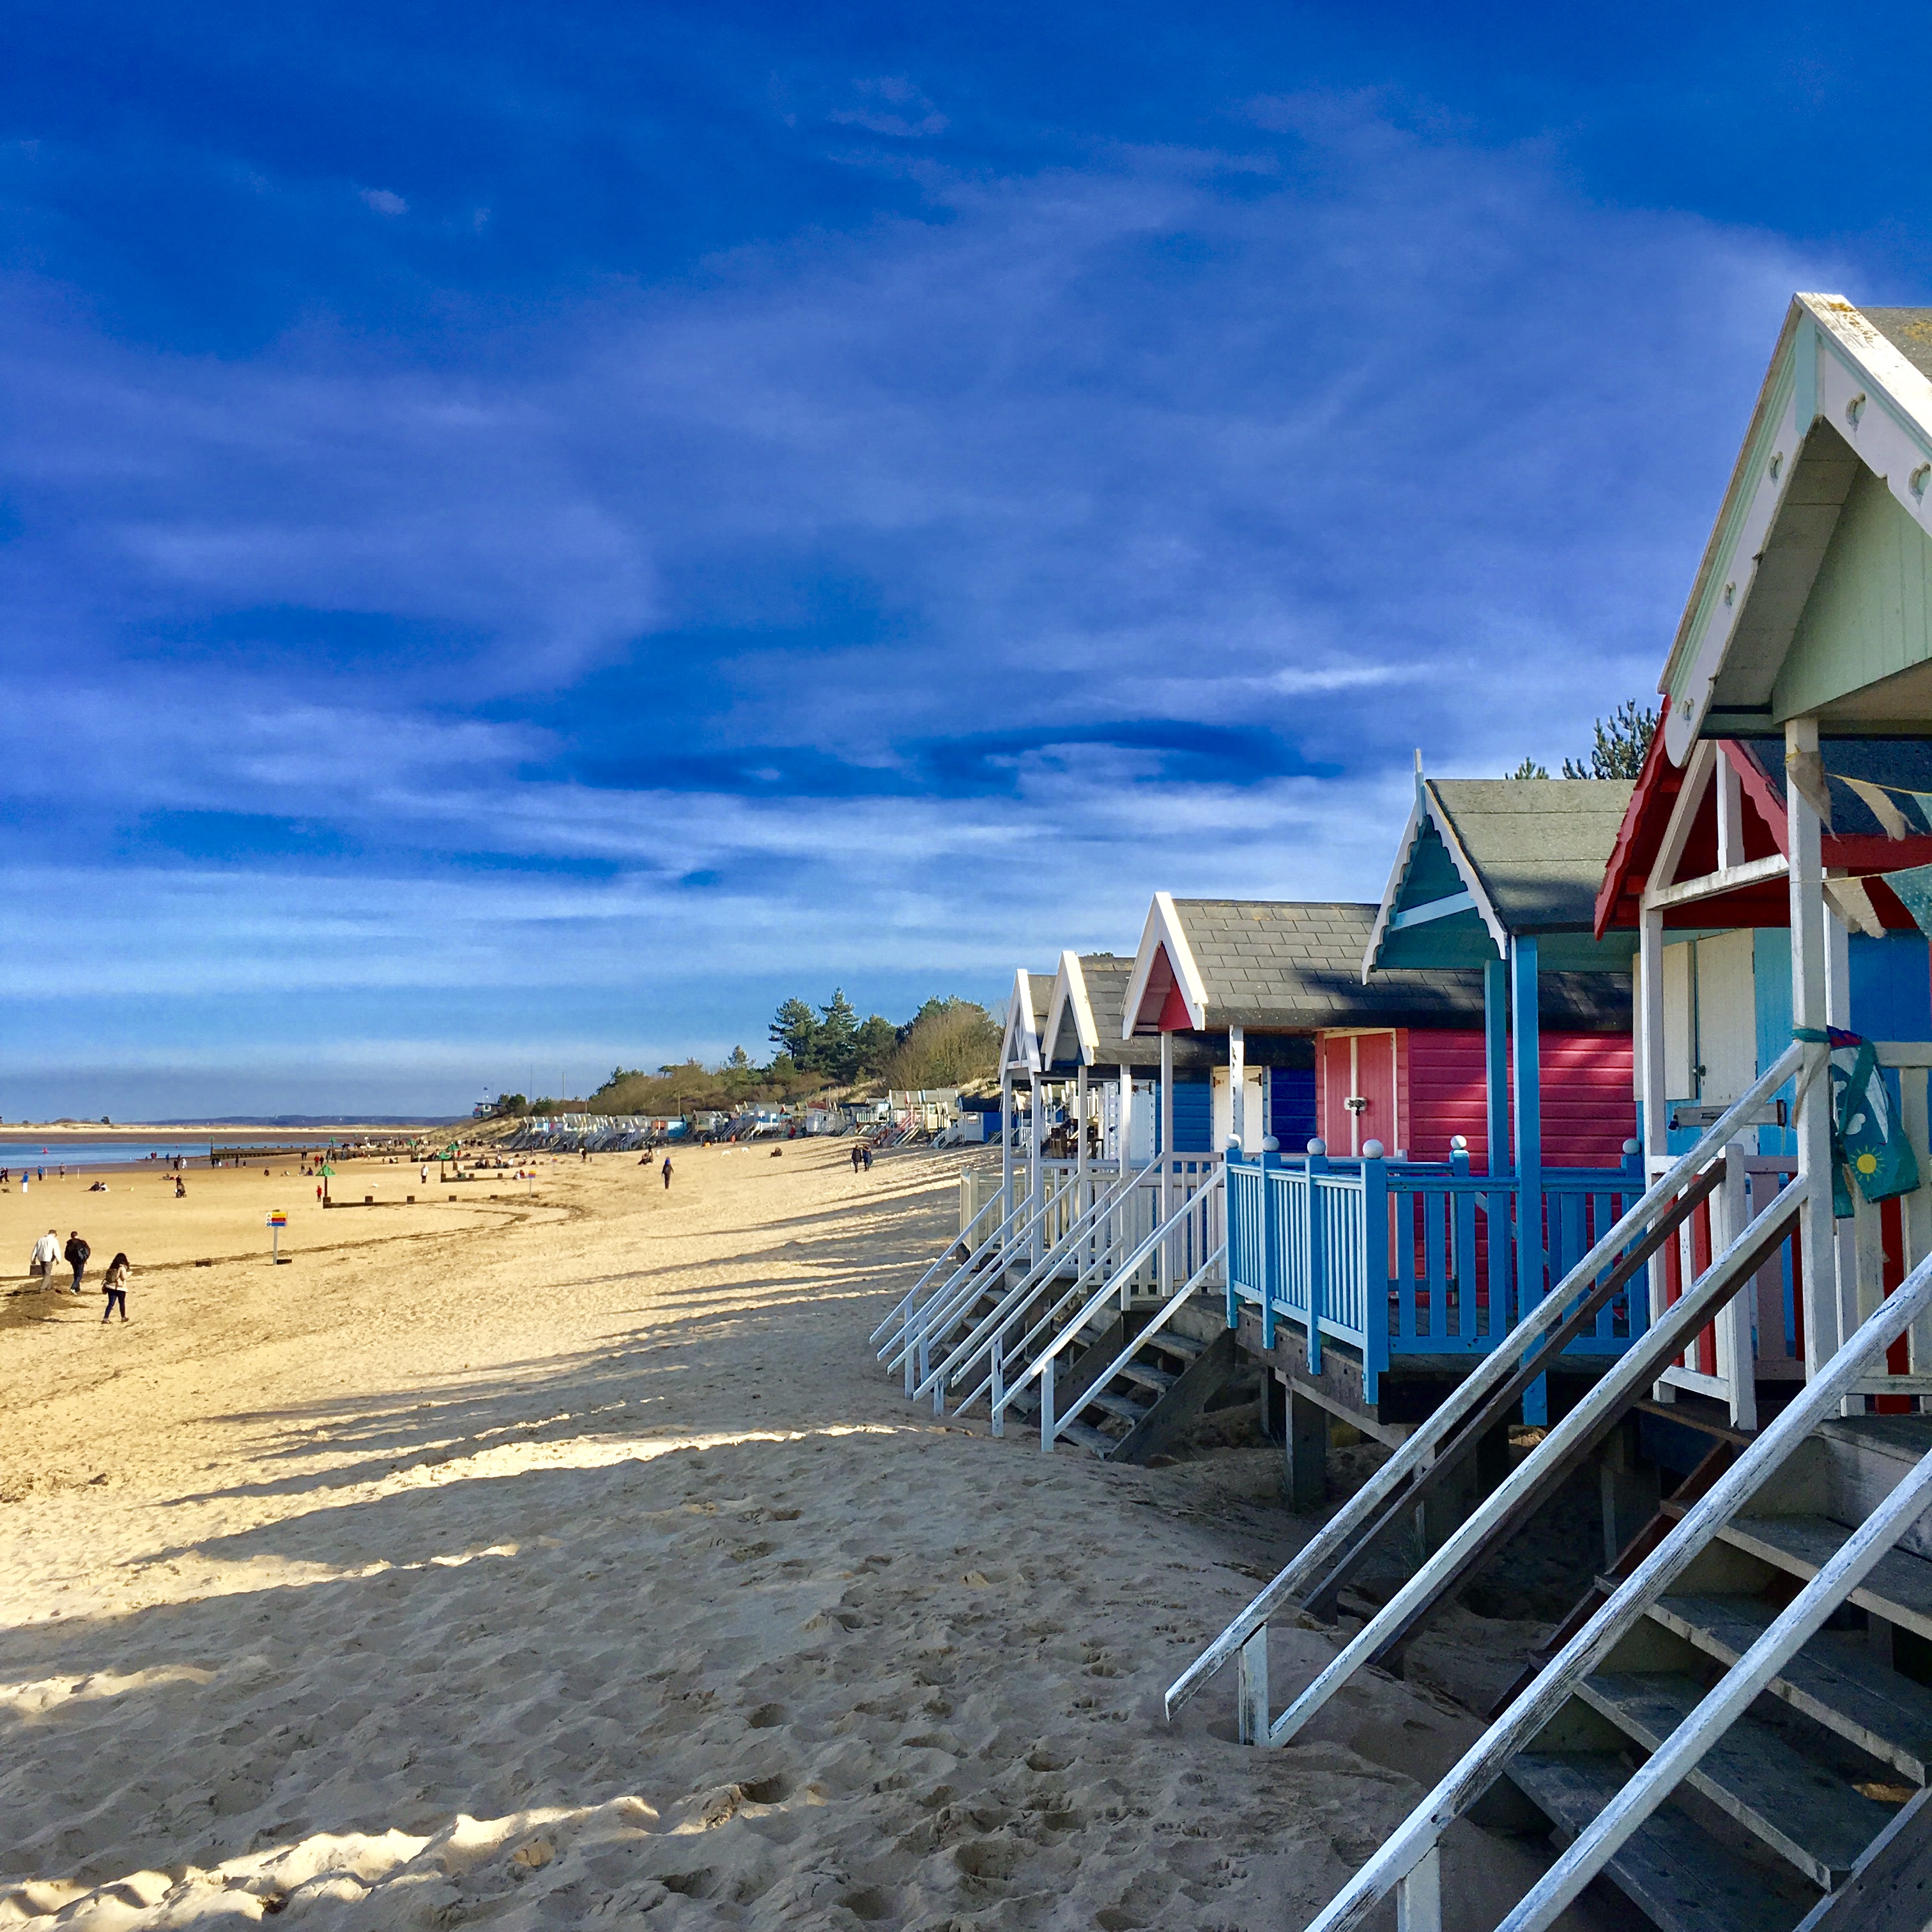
[541, 1563]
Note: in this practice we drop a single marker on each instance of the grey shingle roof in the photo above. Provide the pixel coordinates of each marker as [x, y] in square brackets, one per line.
[1106, 975]
[1290, 967]
[1539, 845]
[1908, 330]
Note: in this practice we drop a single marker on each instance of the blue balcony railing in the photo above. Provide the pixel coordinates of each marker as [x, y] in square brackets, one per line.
[1408, 1258]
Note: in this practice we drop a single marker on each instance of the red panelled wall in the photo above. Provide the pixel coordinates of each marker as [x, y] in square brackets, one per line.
[1588, 1109]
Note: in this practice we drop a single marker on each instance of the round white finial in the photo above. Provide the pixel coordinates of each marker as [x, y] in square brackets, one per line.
[1459, 1143]
[1633, 1147]
[1269, 1144]
[1372, 1149]
[1318, 1145]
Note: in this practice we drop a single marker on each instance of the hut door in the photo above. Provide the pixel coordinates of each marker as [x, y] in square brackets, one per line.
[1360, 1067]
[1725, 1006]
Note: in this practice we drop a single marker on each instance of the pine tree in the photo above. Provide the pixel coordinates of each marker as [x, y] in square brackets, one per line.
[832, 1047]
[1528, 769]
[1622, 743]
[794, 1032]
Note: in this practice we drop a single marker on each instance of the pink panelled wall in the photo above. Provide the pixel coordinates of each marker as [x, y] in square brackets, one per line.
[1589, 1108]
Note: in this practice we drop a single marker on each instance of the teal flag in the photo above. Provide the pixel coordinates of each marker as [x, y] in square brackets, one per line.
[1869, 1141]
[1914, 888]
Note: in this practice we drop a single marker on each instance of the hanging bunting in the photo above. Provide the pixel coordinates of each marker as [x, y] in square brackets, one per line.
[1913, 890]
[1877, 801]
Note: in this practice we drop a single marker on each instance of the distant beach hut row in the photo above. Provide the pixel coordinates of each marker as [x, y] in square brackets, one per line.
[1598, 1142]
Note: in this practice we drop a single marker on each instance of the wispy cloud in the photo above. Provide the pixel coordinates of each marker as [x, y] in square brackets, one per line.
[889, 601]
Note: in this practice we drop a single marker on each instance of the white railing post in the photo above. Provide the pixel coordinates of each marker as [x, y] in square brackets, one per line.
[1047, 1428]
[1737, 1363]
[999, 1385]
[1418, 1897]
[1251, 1688]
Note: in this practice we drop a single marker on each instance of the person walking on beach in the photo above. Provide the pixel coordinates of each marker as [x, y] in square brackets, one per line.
[46, 1256]
[866, 1153]
[114, 1286]
[667, 1173]
[76, 1252]
[857, 1156]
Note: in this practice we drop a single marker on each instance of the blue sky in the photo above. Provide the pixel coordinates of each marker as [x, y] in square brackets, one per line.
[527, 535]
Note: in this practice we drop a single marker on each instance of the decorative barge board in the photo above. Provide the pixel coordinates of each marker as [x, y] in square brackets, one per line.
[1019, 1060]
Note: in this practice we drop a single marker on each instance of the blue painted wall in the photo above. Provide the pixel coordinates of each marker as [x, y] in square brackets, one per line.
[1193, 1116]
[1288, 1106]
[1891, 987]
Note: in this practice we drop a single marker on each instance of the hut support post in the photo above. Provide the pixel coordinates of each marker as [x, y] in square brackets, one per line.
[1082, 1199]
[1006, 1141]
[1817, 1238]
[1525, 1048]
[1496, 1062]
[1166, 1274]
[1035, 1119]
[1237, 1076]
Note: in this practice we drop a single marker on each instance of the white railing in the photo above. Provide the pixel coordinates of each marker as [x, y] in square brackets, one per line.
[1728, 1362]
[1247, 1637]
[1053, 1330]
[1409, 1864]
[966, 1354]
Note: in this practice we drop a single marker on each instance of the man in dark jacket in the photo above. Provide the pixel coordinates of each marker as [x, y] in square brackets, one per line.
[76, 1252]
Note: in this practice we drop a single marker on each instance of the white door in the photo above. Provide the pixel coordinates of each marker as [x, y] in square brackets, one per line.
[1726, 1006]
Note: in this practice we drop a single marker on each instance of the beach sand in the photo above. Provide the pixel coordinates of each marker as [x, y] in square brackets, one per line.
[571, 1560]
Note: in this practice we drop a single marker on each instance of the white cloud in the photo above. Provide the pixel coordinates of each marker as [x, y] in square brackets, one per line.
[384, 202]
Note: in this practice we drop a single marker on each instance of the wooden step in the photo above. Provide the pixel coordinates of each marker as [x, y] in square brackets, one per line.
[1158, 1380]
[1175, 1343]
[1834, 1680]
[1128, 1410]
[1806, 1811]
[1088, 1438]
[1671, 1868]
[1899, 1587]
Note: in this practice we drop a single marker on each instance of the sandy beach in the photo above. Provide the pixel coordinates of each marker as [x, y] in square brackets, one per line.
[561, 1560]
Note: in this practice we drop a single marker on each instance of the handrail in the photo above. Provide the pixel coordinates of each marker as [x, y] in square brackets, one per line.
[1002, 1398]
[1028, 1212]
[1483, 1762]
[965, 1352]
[1051, 1427]
[911, 1295]
[1469, 1394]
[1668, 1336]
[943, 1307]
[1146, 1246]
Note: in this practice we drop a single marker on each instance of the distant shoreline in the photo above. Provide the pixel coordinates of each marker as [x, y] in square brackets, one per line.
[204, 1130]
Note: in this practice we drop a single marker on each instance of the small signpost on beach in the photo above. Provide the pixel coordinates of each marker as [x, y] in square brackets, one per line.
[277, 1221]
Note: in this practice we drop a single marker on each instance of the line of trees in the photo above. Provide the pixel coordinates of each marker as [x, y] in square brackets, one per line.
[948, 1042]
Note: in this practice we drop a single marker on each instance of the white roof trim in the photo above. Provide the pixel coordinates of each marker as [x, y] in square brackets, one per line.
[1829, 358]
[1162, 932]
[1428, 807]
[1070, 988]
[1019, 1050]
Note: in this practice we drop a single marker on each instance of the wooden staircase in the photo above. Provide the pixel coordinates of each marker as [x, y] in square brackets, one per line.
[1149, 1400]
[1832, 1759]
